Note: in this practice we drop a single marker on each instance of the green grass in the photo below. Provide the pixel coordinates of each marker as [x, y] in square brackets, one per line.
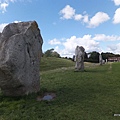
[90, 95]
[50, 63]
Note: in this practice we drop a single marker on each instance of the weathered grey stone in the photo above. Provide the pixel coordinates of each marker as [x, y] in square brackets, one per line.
[79, 58]
[100, 59]
[20, 53]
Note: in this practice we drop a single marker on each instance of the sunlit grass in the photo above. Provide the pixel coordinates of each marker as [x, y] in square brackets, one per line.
[90, 95]
[51, 63]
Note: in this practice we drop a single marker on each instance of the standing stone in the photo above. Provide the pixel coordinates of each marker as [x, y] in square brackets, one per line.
[100, 59]
[79, 58]
[20, 53]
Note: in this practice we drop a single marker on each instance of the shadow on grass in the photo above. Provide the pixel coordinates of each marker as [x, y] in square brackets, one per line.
[78, 94]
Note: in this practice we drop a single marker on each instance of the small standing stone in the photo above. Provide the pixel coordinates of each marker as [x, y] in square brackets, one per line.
[100, 59]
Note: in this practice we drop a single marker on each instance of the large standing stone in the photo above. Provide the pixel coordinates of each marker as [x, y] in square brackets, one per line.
[20, 53]
[79, 58]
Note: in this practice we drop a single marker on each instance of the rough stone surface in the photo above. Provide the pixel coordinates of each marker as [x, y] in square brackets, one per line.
[100, 59]
[79, 58]
[20, 53]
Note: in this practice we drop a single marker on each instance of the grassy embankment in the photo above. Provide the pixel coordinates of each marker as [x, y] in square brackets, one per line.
[90, 95]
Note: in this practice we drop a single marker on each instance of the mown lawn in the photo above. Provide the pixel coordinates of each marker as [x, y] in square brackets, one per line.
[90, 95]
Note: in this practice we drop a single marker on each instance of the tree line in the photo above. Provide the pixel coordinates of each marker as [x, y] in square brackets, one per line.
[94, 56]
[89, 57]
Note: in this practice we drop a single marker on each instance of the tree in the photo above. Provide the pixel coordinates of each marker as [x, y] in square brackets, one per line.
[94, 57]
[107, 55]
[55, 54]
[51, 53]
[85, 57]
[48, 53]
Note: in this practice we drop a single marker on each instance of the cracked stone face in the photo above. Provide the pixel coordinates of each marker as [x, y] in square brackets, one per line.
[20, 54]
[79, 58]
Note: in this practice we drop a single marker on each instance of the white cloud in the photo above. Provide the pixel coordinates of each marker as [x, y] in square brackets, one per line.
[116, 18]
[5, 3]
[3, 7]
[114, 48]
[16, 21]
[68, 12]
[85, 19]
[67, 47]
[78, 17]
[117, 2]
[2, 26]
[54, 42]
[85, 41]
[103, 37]
[99, 18]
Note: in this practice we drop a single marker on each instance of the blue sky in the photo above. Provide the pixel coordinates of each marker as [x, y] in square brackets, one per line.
[64, 24]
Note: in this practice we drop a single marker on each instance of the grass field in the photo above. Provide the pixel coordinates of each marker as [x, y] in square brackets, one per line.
[51, 63]
[90, 95]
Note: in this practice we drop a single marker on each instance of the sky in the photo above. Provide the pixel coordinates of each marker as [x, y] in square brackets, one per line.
[64, 24]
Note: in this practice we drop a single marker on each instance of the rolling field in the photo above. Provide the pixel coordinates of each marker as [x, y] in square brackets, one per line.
[90, 95]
